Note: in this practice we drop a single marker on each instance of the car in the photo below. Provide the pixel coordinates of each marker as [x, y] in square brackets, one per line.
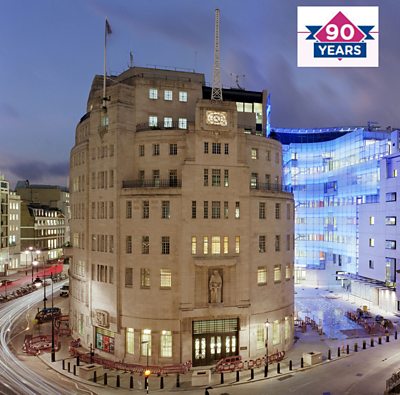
[379, 318]
[64, 291]
[47, 313]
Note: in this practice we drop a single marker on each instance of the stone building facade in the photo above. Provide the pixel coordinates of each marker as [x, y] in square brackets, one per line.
[182, 236]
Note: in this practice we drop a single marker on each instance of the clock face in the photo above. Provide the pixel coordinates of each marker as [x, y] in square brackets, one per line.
[216, 118]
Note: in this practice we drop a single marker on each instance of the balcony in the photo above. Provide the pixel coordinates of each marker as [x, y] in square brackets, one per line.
[269, 187]
[157, 183]
[174, 126]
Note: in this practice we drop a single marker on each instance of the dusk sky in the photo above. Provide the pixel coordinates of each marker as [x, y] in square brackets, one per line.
[50, 51]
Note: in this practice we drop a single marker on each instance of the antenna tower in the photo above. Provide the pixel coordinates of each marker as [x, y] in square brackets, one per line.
[216, 92]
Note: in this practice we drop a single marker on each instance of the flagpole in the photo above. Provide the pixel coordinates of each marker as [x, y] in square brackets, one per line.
[105, 65]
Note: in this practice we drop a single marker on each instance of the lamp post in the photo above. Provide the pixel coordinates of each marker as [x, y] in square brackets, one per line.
[266, 348]
[26, 263]
[34, 263]
[53, 351]
[44, 291]
[147, 372]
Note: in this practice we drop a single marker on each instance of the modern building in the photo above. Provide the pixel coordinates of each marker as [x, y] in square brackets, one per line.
[332, 173]
[14, 225]
[182, 235]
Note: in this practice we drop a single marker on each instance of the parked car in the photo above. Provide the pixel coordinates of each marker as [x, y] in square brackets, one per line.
[47, 314]
[65, 291]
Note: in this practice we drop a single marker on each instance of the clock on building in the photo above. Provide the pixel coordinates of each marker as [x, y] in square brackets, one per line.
[216, 118]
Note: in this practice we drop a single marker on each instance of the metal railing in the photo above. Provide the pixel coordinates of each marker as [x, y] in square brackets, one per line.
[173, 126]
[270, 187]
[157, 183]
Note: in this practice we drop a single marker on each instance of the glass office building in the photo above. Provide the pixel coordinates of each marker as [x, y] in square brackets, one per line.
[331, 172]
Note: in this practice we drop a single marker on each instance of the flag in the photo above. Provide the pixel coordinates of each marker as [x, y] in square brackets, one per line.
[108, 28]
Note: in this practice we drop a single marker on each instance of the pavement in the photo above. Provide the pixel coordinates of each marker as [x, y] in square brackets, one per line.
[325, 306]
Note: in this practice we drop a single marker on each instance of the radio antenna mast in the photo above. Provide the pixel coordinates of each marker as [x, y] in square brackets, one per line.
[216, 92]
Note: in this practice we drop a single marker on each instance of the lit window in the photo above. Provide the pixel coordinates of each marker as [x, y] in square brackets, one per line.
[261, 275]
[371, 242]
[226, 178]
[153, 93]
[237, 244]
[130, 345]
[260, 336]
[288, 272]
[277, 273]
[205, 245]
[182, 123]
[390, 244]
[287, 328]
[226, 244]
[144, 278]
[371, 220]
[194, 245]
[165, 278]
[261, 243]
[275, 333]
[390, 220]
[166, 344]
[165, 209]
[237, 210]
[146, 342]
[168, 95]
[215, 245]
[254, 153]
[153, 121]
[183, 96]
[226, 210]
[167, 122]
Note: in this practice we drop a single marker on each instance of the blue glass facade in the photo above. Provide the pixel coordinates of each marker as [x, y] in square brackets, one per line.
[331, 172]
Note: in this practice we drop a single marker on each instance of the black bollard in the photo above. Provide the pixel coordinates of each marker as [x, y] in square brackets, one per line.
[118, 384]
[266, 369]
[329, 354]
[347, 349]
[161, 382]
[290, 365]
[372, 342]
[131, 382]
[302, 362]
[395, 335]
[63, 364]
[278, 367]
[237, 376]
[222, 378]
[379, 340]
[74, 370]
[251, 373]
[94, 377]
[364, 344]
[355, 347]
[69, 367]
[206, 391]
[387, 338]
[178, 384]
[77, 360]
[338, 351]
[105, 378]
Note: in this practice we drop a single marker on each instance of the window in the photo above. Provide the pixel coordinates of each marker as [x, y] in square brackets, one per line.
[391, 197]
[237, 210]
[261, 275]
[205, 207]
[390, 244]
[226, 149]
[237, 244]
[371, 220]
[260, 336]
[371, 264]
[153, 93]
[390, 220]
[166, 344]
[128, 277]
[167, 122]
[288, 242]
[156, 149]
[145, 245]
[287, 328]
[254, 180]
[128, 244]
[261, 243]
[165, 209]
[215, 210]
[145, 209]
[215, 245]
[205, 245]
[277, 210]
[226, 178]
[268, 181]
[277, 242]
[156, 178]
[144, 278]
[206, 147]
[226, 210]
[183, 96]
[254, 153]
[275, 333]
[205, 178]
[153, 121]
[216, 178]
[226, 245]
[141, 150]
[288, 272]
[173, 149]
[145, 342]
[194, 209]
[194, 245]
[182, 123]
[288, 210]
[165, 245]
[277, 273]
[261, 210]
[129, 209]
[173, 178]
[216, 148]
[168, 95]
[130, 345]
[372, 242]
[165, 278]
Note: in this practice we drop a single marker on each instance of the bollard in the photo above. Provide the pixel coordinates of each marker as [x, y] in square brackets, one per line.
[338, 351]
[347, 349]
[178, 384]
[251, 373]
[355, 347]
[278, 367]
[118, 384]
[69, 367]
[364, 344]
[94, 377]
[206, 391]
[290, 365]
[77, 360]
[131, 382]
[302, 362]
[222, 378]
[372, 342]
[395, 335]
[237, 376]
[105, 378]
[387, 338]
[379, 340]
[266, 369]
[161, 382]
[329, 354]
[63, 364]
[74, 370]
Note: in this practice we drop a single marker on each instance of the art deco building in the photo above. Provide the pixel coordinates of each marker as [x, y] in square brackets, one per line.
[182, 236]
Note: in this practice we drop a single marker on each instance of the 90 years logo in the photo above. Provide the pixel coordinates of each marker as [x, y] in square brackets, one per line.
[337, 37]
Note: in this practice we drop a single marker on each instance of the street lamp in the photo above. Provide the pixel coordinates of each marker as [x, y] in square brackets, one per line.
[34, 263]
[26, 262]
[53, 351]
[147, 372]
[266, 348]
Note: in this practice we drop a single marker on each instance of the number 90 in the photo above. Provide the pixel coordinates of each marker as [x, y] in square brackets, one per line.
[346, 31]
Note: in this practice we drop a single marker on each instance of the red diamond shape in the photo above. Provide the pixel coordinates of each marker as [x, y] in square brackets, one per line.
[346, 30]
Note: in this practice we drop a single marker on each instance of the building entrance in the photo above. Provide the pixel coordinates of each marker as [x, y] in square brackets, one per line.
[213, 340]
